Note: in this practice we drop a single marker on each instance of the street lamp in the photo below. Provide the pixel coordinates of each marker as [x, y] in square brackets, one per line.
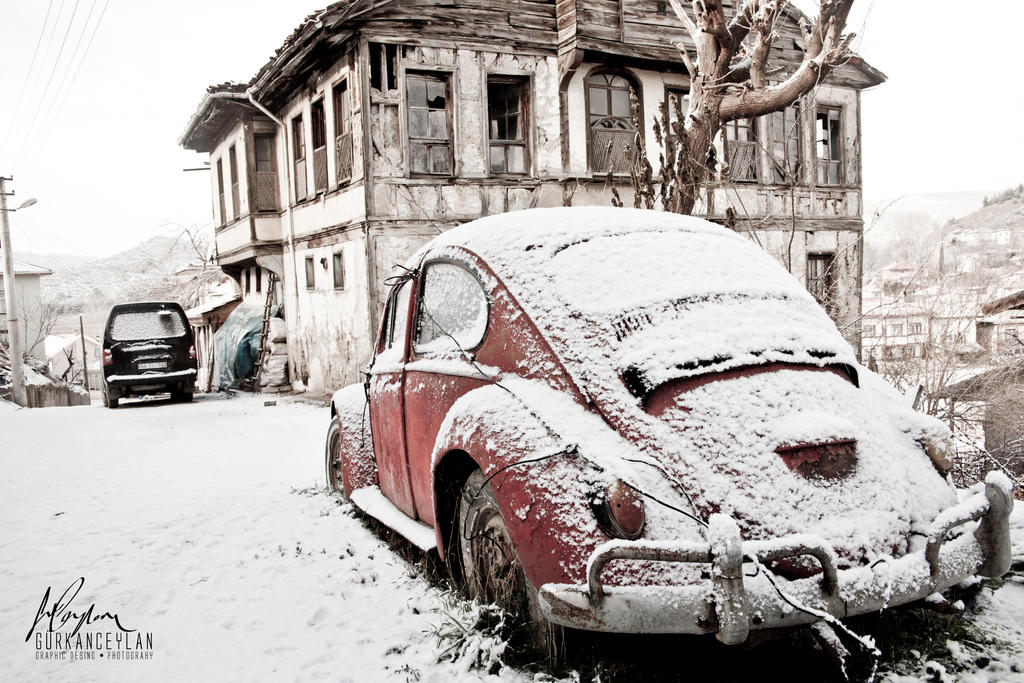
[13, 328]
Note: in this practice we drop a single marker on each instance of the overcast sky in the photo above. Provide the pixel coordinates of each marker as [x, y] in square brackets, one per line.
[95, 140]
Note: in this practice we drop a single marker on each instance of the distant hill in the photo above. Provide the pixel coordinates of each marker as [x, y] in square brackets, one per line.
[910, 227]
[53, 261]
[129, 275]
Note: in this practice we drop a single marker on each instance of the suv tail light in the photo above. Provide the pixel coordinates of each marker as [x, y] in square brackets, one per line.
[108, 357]
[192, 351]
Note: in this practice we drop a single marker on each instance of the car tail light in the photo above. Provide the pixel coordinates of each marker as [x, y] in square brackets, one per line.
[940, 450]
[192, 352]
[108, 357]
[621, 512]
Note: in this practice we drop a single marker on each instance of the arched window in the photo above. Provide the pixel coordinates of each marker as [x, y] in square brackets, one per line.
[612, 132]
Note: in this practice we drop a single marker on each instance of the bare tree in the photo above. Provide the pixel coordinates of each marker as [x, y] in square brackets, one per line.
[729, 79]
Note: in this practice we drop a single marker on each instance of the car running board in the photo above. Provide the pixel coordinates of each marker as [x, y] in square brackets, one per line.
[371, 500]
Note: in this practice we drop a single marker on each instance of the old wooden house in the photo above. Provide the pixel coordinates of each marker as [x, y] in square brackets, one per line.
[379, 123]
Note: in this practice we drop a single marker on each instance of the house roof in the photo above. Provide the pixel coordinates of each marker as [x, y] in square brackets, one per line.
[23, 268]
[196, 314]
[1015, 300]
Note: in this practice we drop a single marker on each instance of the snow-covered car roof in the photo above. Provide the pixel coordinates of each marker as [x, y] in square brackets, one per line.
[659, 295]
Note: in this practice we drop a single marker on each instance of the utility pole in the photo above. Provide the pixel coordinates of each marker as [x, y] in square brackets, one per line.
[13, 328]
[85, 358]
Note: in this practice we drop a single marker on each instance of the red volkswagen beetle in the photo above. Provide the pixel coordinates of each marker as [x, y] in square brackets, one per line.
[641, 423]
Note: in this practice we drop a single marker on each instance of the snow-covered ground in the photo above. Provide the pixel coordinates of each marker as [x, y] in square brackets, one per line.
[207, 525]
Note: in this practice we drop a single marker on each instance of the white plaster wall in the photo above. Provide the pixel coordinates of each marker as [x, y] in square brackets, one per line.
[233, 237]
[324, 324]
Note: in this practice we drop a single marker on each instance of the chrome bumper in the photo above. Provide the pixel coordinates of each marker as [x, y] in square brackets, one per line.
[732, 603]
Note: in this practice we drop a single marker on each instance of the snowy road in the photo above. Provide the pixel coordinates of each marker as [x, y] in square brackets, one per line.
[205, 525]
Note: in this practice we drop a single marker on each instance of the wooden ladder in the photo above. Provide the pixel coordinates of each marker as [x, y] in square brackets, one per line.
[261, 357]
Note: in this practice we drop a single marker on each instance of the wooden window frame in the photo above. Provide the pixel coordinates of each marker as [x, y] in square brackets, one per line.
[341, 105]
[220, 192]
[267, 179]
[383, 62]
[522, 83]
[445, 78]
[828, 274]
[236, 211]
[830, 159]
[751, 143]
[337, 258]
[298, 160]
[318, 136]
[790, 158]
[634, 85]
[670, 91]
[310, 268]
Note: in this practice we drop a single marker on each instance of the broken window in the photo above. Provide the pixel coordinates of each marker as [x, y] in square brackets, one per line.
[383, 66]
[507, 121]
[430, 145]
[612, 131]
[299, 157]
[339, 270]
[829, 143]
[785, 130]
[233, 168]
[452, 312]
[220, 192]
[741, 150]
[318, 128]
[266, 175]
[342, 131]
[821, 279]
[310, 283]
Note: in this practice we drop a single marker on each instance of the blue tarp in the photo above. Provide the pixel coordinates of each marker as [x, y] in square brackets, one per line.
[236, 345]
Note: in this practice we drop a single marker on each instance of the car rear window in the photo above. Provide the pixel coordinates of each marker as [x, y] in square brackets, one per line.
[140, 325]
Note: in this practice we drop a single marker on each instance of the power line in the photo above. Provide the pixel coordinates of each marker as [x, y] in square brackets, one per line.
[74, 220]
[49, 81]
[28, 76]
[60, 87]
[34, 157]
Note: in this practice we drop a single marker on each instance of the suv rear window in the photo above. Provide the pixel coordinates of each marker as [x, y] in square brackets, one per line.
[140, 325]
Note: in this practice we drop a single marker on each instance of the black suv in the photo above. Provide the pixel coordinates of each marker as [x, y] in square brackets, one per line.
[148, 348]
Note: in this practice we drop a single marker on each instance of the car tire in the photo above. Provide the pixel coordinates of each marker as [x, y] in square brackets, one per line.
[491, 569]
[332, 460]
[181, 396]
[108, 400]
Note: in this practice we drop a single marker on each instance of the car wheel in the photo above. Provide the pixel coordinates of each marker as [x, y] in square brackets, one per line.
[332, 459]
[491, 568]
[181, 396]
[108, 400]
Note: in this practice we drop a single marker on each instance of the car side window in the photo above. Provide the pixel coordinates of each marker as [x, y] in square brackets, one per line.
[395, 316]
[452, 311]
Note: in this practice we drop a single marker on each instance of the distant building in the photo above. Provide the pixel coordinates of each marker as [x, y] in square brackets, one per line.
[377, 125]
[31, 311]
